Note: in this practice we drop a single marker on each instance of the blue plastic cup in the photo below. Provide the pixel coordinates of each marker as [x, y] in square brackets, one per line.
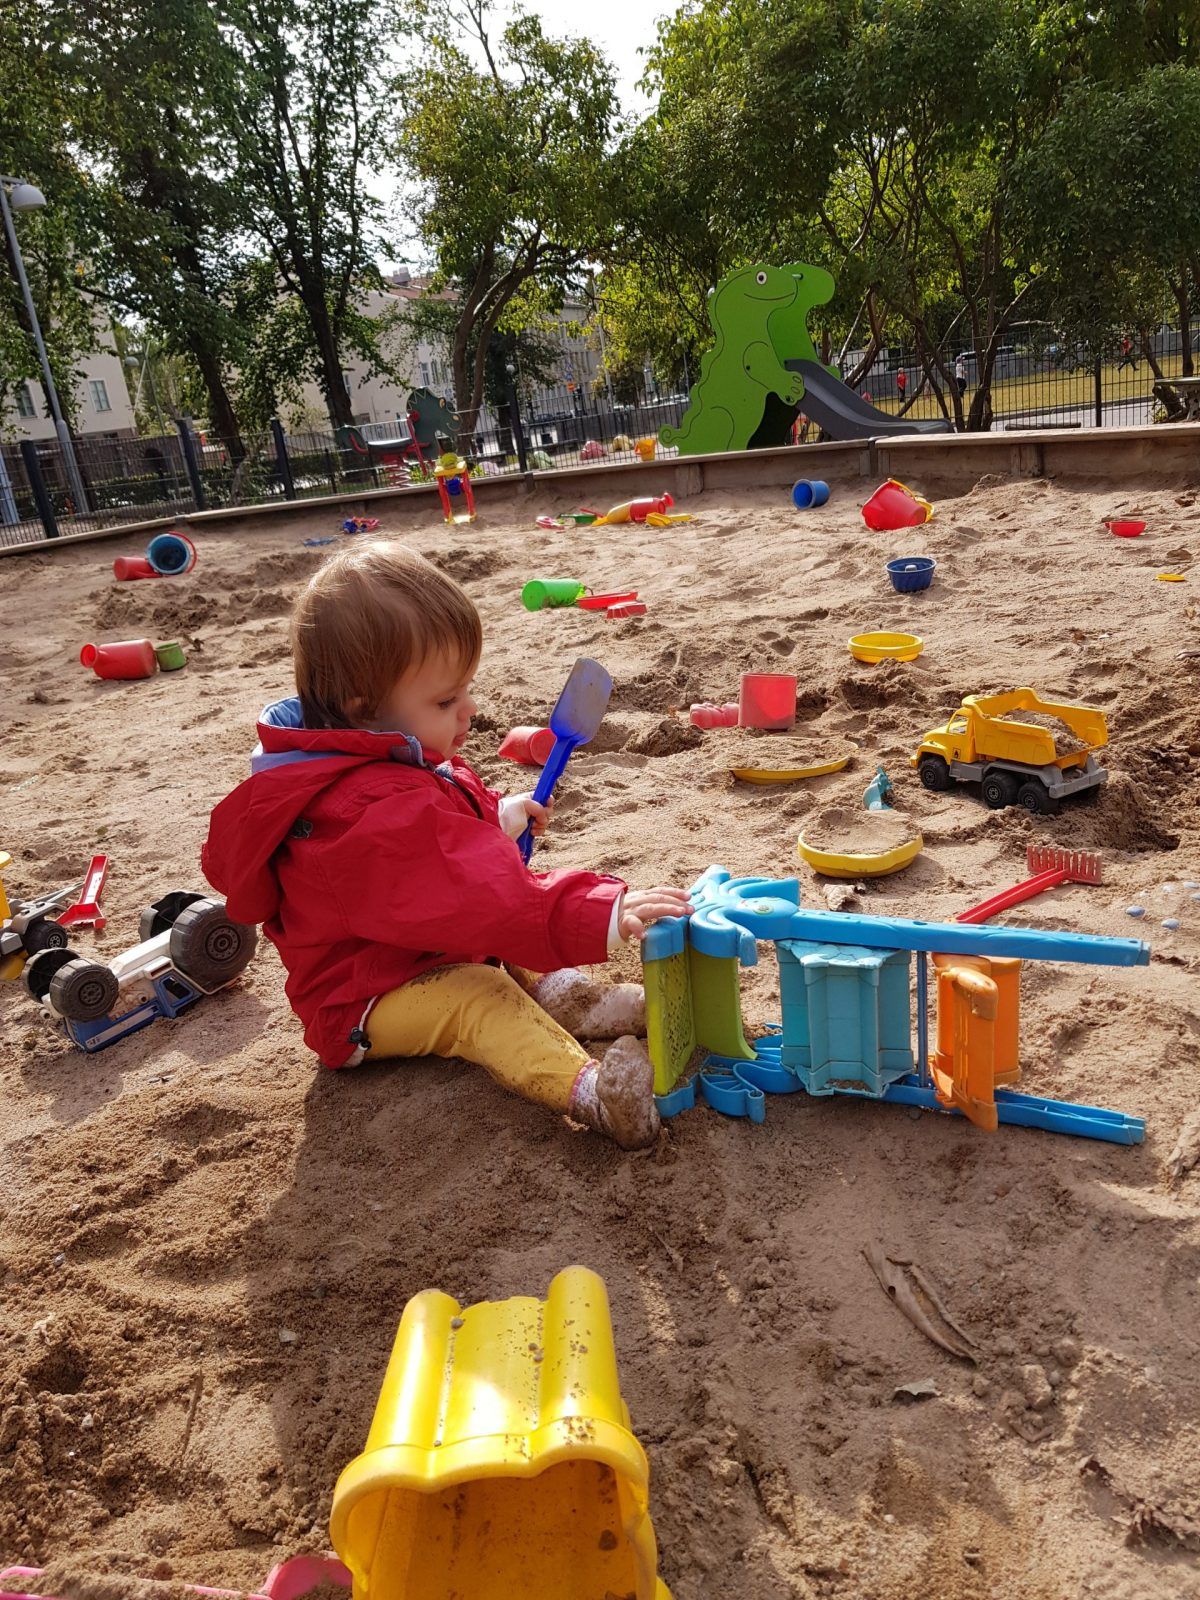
[809, 492]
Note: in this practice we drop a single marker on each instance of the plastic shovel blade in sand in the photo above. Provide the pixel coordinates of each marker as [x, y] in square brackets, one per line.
[574, 720]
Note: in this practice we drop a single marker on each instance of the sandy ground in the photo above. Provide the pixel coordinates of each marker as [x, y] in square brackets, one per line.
[173, 1205]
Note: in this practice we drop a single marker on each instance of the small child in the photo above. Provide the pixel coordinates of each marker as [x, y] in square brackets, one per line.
[388, 877]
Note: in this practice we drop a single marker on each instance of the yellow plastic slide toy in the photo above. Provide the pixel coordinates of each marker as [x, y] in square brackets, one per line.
[500, 1464]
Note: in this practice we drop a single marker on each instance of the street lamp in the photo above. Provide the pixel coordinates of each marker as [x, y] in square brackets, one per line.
[16, 195]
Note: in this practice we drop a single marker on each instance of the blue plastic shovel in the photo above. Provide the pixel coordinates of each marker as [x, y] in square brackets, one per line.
[574, 720]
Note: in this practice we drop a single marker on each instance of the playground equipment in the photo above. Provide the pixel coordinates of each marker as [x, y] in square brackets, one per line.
[809, 492]
[763, 365]
[500, 1460]
[454, 488]
[188, 947]
[577, 714]
[168, 555]
[876, 647]
[767, 700]
[910, 574]
[1014, 762]
[894, 505]
[846, 1025]
[1049, 868]
[129, 658]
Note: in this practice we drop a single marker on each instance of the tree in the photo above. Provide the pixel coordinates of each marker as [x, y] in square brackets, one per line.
[34, 147]
[307, 117]
[513, 180]
[149, 81]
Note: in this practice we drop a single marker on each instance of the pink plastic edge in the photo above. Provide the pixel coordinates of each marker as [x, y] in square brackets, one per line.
[290, 1580]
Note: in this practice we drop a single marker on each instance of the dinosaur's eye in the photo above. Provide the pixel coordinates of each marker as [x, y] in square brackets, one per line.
[760, 277]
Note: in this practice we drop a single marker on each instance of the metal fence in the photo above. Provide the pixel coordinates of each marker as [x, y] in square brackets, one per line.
[1035, 382]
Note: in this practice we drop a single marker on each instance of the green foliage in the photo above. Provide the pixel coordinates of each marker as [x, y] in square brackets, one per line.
[513, 180]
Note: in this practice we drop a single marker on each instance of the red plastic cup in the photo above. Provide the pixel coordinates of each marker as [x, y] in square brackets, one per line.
[530, 746]
[767, 700]
[126, 567]
[1126, 527]
[130, 658]
[705, 715]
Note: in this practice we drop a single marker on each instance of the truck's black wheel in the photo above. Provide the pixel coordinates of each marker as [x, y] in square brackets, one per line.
[39, 970]
[83, 990]
[934, 773]
[1033, 797]
[208, 946]
[44, 935]
[999, 789]
[160, 916]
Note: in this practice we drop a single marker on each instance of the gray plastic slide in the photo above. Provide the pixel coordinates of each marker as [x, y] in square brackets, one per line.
[846, 415]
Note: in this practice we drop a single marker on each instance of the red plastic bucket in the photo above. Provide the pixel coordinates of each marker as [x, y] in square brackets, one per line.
[895, 506]
[767, 700]
[129, 658]
[530, 746]
[126, 567]
[1126, 527]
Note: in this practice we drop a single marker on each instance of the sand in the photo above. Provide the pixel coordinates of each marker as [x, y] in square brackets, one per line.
[180, 1206]
[852, 830]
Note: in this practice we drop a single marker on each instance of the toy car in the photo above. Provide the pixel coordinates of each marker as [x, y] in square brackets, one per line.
[1015, 762]
[189, 947]
[28, 926]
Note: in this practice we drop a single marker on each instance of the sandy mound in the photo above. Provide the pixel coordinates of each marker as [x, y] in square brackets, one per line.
[865, 833]
[206, 1243]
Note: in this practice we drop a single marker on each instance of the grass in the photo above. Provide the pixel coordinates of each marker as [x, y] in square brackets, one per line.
[1048, 391]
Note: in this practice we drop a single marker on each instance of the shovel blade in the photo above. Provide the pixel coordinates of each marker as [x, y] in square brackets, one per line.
[581, 705]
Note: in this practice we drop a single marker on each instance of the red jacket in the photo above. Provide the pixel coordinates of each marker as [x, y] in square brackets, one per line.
[368, 865]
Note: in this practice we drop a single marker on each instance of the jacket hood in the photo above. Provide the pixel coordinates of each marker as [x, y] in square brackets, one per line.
[290, 766]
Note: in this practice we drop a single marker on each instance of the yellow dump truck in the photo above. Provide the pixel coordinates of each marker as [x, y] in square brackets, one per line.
[1016, 761]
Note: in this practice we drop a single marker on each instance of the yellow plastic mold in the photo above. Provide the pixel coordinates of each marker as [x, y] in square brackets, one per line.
[500, 1463]
[838, 864]
[788, 774]
[876, 647]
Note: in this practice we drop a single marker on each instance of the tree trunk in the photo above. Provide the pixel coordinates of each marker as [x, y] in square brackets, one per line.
[220, 407]
[329, 363]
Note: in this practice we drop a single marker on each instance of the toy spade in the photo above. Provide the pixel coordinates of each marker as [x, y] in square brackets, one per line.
[574, 720]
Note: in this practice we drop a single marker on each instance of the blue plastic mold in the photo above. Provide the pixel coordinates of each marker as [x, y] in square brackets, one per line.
[910, 573]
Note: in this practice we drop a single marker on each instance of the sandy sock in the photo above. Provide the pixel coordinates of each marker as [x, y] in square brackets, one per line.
[617, 1096]
[591, 1010]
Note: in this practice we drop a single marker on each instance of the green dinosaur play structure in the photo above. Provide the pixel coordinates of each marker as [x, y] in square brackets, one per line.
[763, 368]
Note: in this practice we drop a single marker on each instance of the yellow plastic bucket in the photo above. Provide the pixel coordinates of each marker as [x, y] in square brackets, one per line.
[500, 1463]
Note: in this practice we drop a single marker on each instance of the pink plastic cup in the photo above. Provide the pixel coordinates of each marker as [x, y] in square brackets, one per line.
[767, 700]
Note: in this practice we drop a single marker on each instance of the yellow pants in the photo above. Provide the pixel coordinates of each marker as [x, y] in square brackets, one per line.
[480, 1014]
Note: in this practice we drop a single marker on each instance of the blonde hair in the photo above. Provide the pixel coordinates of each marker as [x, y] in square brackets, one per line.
[369, 614]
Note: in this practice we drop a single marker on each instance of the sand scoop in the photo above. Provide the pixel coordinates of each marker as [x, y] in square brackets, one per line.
[1050, 867]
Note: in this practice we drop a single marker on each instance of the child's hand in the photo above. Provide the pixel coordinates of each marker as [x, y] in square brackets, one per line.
[643, 906]
[517, 809]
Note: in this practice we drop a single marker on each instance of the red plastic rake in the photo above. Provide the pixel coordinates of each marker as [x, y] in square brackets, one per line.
[1049, 867]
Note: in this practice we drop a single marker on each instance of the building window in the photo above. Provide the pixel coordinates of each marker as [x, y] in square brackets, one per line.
[425, 374]
[25, 406]
[100, 395]
[348, 381]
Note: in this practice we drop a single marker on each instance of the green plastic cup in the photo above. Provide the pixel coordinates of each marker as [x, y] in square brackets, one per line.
[170, 656]
[541, 592]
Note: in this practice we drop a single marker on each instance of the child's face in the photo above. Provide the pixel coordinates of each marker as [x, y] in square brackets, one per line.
[431, 701]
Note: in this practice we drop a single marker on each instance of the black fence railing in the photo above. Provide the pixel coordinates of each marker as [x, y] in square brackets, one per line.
[1035, 382]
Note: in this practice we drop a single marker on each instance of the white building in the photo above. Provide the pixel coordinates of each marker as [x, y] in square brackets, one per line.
[104, 409]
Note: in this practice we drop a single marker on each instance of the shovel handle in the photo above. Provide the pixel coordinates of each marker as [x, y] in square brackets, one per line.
[550, 774]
